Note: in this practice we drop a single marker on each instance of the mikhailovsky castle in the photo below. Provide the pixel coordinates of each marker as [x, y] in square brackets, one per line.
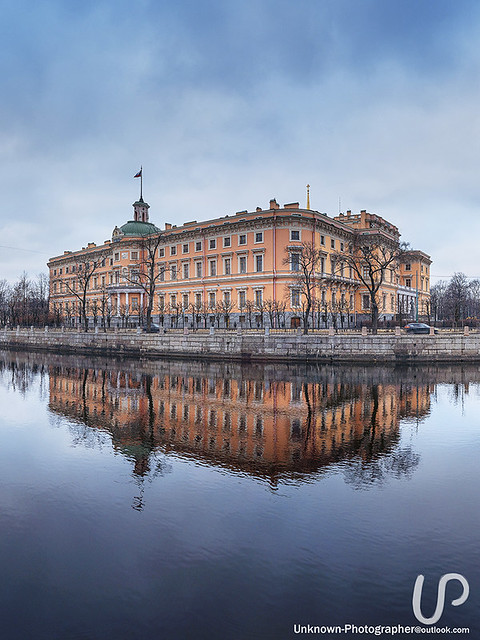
[237, 270]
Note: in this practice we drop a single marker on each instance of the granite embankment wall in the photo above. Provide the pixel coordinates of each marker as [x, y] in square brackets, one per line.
[249, 346]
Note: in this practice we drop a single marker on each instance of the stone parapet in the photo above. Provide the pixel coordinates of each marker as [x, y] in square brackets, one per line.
[232, 345]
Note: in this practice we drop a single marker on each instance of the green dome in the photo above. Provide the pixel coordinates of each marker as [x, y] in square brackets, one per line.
[137, 228]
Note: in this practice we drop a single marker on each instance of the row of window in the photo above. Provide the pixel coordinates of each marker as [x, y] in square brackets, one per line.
[212, 300]
[212, 268]
[212, 244]
[295, 235]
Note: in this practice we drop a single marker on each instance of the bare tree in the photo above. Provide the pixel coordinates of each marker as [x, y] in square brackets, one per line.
[457, 295]
[305, 264]
[148, 271]
[85, 268]
[225, 308]
[369, 257]
[105, 309]
[4, 298]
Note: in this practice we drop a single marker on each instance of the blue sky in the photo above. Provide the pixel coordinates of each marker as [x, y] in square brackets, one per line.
[227, 104]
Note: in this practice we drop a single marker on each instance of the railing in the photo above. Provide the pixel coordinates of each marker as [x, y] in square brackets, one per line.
[232, 330]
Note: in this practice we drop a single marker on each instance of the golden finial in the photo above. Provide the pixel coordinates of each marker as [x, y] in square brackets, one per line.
[308, 196]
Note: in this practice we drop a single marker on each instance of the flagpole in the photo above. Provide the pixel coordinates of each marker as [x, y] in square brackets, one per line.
[141, 183]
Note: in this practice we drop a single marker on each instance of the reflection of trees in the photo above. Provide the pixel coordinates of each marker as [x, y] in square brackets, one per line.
[398, 463]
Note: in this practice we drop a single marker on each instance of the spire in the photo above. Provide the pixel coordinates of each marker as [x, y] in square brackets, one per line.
[308, 196]
[140, 175]
[140, 208]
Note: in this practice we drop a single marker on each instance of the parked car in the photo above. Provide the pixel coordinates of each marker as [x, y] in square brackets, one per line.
[154, 328]
[418, 327]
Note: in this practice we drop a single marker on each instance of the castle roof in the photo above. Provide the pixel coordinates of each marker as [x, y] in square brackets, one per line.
[137, 228]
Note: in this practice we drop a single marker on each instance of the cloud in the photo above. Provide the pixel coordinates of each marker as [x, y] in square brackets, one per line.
[226, 104]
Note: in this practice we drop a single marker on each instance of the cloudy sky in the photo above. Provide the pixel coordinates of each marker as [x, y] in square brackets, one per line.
[228, 103]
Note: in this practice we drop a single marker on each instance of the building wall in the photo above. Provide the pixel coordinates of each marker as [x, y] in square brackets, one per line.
[239, 258]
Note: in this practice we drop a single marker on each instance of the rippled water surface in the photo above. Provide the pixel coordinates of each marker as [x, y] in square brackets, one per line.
[190, 500]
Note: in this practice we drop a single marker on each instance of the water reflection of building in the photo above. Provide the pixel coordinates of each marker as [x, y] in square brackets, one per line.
[267, 425]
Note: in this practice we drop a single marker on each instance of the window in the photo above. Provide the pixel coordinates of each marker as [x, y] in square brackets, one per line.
[226, 297]
[135, 303]
[227, 266]
[212, 243]
[365, 301]
[258, 263]
[242, 238]
[173, 299]
[227, 241]
[211, 300]
[161, 303]
[161, 252]
[134, 255]
[295, 298]
[198, 269]
[186, 271]
[161, 273]
[294, 235]
[242, 299]
[66, 269]
[173, 272]
[259, 236]
[332, 243]
[295, 261]
[242, 264]
[408, 266]
[185, 300]
[258, 297]
[116, 257]
[54, 272]
[342, 246]
[198, 245]
[185, 248]
[213, 267]
[408, 282]
[322, 265]
[322, 240]
[173, 250]
[198, 300]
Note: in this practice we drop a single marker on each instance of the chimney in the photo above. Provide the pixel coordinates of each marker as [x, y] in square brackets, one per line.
[168, 225]
[274, 204]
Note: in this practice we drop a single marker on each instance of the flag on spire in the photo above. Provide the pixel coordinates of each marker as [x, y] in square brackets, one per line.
[139, 174]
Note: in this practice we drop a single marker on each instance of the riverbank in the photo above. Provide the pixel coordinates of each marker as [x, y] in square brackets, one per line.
[248, 346]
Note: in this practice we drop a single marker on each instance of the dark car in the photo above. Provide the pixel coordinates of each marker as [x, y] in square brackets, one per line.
[418, 327]
[154, 328]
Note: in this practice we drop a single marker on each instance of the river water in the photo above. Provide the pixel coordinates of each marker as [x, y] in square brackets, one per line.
[200, 500]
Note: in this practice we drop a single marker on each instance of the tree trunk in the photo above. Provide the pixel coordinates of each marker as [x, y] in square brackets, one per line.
[374, 317]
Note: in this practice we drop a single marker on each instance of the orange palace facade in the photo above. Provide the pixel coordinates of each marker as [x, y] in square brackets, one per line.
[236, 271]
